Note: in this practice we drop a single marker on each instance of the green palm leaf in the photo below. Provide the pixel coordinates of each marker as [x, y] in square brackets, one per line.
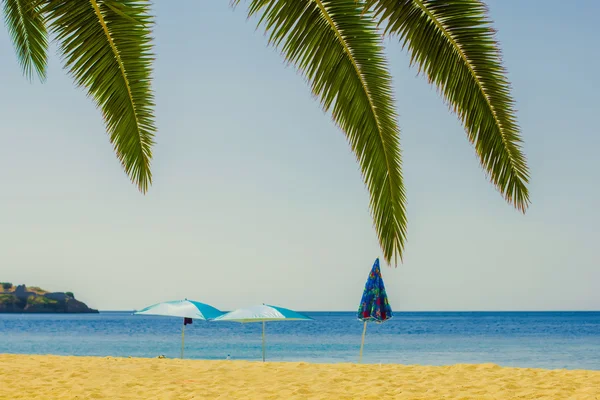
[338, 50]
[28, 32]
[106, 47]
[453, 43]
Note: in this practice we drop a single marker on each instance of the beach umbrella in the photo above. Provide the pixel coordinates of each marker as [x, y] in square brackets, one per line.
[374, 305]
[263, 313]
[186, 309]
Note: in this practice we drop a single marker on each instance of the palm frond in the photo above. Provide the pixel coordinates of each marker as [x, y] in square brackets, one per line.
[453, 42]
[338, 49]
[27, 29]
[106, 46]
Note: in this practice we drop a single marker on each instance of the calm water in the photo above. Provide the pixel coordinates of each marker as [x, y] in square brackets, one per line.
[530, 339]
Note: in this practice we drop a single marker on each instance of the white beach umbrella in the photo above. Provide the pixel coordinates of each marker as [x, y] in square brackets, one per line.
[186, 309]
[262, 313]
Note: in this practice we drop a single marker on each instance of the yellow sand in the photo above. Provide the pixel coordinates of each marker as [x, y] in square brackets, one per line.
[53, 377]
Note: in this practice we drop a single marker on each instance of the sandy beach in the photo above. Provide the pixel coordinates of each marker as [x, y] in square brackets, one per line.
[55, 377]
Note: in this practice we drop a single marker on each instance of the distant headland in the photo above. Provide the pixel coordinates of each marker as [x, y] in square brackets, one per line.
[32, 299]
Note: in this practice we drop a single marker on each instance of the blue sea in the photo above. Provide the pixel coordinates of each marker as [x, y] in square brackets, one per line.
[523, 339]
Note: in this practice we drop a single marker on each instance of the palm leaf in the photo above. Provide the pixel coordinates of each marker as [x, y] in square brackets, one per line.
[28, 32]
[453, 43]
[106, 46]
[337, 48]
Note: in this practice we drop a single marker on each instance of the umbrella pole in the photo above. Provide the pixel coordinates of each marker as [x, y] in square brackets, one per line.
[362, 343]
[263, 341]
[182, 338]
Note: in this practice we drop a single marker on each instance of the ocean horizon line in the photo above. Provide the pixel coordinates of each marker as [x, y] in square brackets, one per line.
[412, 311]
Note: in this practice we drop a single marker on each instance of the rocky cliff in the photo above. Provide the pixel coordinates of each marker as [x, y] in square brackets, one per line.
[23, 299]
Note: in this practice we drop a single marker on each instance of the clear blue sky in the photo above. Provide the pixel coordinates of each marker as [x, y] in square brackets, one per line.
[257, 197]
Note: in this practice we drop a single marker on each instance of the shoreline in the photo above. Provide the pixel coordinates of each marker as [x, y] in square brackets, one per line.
[258, 360]
[68, 377]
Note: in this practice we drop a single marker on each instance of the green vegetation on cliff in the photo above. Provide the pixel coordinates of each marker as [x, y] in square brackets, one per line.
[39, 300]
[21, 299]
[8, 299]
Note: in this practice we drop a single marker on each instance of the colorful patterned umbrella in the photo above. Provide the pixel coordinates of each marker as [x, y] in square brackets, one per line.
[374, 305]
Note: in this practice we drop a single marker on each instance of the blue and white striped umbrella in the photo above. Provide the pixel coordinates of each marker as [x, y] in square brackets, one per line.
[263, 313]
[186, 309]
[182, 308]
